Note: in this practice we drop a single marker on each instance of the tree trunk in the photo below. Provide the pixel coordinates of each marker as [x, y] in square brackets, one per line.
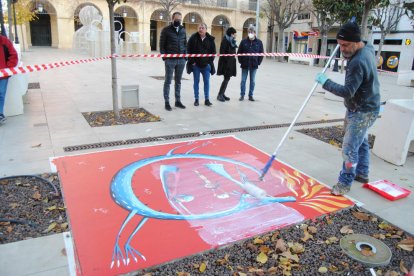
[324, 47]
[113, 63]
[380, 47]
[281, 44]
[269, 47]
[364, 20]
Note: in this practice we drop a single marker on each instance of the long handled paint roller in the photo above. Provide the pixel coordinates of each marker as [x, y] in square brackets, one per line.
[269, 163]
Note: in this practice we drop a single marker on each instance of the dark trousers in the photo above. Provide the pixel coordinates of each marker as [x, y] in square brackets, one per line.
[224, 85]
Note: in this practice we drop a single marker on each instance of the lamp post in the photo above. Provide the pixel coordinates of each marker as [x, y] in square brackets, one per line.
[16, 37]
[3, 29]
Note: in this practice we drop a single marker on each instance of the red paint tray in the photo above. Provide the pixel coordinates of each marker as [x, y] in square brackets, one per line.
[387, 189]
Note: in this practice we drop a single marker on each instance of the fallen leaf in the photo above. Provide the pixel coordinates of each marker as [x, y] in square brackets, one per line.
[37, 195]
[406, 244]
[392, 273]
[203, 267]
[4, 223]
[64, 225]
[272, 270]
[346, 230]
[265, 249]
[14, 205]
[307, 236]
[290, 256]
[323, 269]
[242, 274]
[183, 273]
[51, 208]
[328, 220]
[403, 268]
[9, 229]
[385, 226]
[360, 216]
[333, 268]
[37, 146]
[63, 252]
[331, 240]
[281, 245]
[51, 227]
[312, 229]
[379, 236]
[296, 247]
[262, 258]
[258, 241]
[224, 260]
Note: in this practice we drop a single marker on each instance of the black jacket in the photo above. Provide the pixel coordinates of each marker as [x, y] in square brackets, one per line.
[250, 46]
[197, 46]
[173, 42]
[227, 65]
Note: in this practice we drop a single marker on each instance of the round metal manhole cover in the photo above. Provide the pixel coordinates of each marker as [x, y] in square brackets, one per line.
[366, 249]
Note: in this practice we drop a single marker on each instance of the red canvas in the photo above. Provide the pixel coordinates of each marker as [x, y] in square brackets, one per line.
[135, 208]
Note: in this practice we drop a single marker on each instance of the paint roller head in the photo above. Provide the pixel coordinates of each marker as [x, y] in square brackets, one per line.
[254, 190]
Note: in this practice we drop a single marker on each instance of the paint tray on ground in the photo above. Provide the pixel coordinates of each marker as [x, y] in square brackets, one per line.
[387, 189]
[134, 208]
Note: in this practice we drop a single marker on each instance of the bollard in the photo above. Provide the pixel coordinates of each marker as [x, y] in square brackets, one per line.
[130, 96]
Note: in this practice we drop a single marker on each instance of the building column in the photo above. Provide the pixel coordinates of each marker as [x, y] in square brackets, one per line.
[65, 31]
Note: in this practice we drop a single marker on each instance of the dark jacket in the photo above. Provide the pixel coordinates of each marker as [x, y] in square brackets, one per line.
[227, 65]
[8, 55]
[197, 46]
[173, 42]
[250, 46]
[361, 89]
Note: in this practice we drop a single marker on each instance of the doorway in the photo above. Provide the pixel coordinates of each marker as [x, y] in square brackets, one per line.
[40, 31]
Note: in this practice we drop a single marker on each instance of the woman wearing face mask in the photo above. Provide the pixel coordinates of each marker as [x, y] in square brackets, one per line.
[227, 64]
[249, 64]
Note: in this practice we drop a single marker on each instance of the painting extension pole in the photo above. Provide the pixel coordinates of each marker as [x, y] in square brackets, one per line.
[269, 163]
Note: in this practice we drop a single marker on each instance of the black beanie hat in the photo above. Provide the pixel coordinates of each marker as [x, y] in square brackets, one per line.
[349, 32]
[230, 31]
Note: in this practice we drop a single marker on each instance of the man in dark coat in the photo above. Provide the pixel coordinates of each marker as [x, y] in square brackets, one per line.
[201, 43]
[8, 58]
[249, 64]
[173, 40]
[227, 64]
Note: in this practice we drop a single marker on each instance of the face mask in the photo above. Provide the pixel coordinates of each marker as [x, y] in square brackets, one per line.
[251, 36]
[177, 23]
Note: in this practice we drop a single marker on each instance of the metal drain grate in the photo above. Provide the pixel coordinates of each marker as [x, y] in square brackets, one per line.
[163, 78]
[33, 85]
[189, 135]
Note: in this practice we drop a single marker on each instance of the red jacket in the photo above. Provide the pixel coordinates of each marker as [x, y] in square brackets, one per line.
[13, 57]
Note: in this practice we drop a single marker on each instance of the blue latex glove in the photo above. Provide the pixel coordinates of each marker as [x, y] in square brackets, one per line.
[321, 78]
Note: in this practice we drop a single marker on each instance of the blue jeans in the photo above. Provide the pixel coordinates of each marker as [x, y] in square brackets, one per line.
[252, 72]
[205, 72]
[355, 147]
[3, 89]
[173, 66]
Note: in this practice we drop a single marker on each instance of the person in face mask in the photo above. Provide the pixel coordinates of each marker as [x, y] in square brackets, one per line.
[249, 64]
[173, 40]
[227, 64]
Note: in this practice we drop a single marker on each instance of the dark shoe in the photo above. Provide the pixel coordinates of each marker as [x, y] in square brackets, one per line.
[340, 189]
[361, 179]
[220, 98]
[179, 105]
[208, 103]
[2, 119]
[226, 98]
[168, 106]
[241, 98]
[251, 98]
[196, 103]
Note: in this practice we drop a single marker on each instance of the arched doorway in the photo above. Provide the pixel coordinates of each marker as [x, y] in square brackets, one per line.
[191, 21]
[159, 19]
[76, 21]
[218, 28]
[40, 30]
[249, 22]
[128, 22]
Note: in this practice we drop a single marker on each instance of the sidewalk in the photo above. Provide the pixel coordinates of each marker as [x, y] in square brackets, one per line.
[53, 119]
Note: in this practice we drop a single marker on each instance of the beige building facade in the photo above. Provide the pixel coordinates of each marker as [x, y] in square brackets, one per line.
[58, 20]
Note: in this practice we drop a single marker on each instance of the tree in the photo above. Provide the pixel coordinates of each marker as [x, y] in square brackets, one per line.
[386, 17]
[367, 6]
[328, 13]
[284, 12]
[169, 6]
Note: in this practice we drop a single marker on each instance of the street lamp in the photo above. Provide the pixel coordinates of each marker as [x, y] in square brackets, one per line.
[16, 38]
[192, 18]
[161, 16]
[124, 13]
[39, 7]
[221, 21]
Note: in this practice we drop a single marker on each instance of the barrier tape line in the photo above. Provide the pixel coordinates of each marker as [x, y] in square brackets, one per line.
[7, 72]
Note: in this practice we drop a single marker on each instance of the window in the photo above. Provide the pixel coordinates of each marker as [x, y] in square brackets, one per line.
[222, 3]
[252, 5]
[389, 41]
[303, 16]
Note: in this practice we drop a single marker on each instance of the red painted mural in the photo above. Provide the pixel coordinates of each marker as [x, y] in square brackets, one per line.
[134, 208]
